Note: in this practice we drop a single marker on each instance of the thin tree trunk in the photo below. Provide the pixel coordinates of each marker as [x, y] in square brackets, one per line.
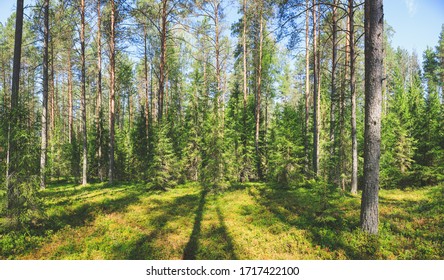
[333, 99]
[258, 98]
[52, 95]
[315, 93]
[83, 97]
[354, 177]
[244, 112]
[11, 149]
[112, 93]
[145, 60]
[44, 143]
[342, 136]
[307, 84]
[70, 105]
[217, 53]
[52, 108]
[374, 26]
[99, 113]
[163, 48]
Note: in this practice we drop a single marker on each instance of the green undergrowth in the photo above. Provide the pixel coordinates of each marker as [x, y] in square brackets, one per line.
[248, 221]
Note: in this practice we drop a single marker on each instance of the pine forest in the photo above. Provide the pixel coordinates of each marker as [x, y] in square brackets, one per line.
[218, 129]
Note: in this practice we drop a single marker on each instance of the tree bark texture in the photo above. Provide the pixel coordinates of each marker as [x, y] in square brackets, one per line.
[44, 143]
[112, 65]
[11, 161]
[83, 96]
[374, 23]
[354, 177]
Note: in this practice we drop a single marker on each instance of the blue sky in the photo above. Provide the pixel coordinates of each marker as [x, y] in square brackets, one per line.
[417, 23]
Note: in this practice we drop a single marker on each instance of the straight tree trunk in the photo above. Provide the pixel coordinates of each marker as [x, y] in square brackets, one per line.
[70, 105]
[374, 27]
[83, 97]
[11, 152]
[99, 113]
[112, 93]
[307, 84]
[258, 97]
[354, 177]
[333, 98]
[217, 52]
[52, 96]
[315, 93]
[244, 76]
[344, 83]
[44, 143]
[145, 63]
[163, 49]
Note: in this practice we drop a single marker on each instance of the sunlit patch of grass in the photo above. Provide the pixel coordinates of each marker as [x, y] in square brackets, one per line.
[250, 221]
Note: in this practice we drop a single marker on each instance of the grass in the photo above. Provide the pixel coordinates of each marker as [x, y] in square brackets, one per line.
[249, 221]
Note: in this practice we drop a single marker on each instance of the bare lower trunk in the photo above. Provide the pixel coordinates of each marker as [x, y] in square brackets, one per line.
[83, 97]
[244, 76]
[307, 85]
[112, 93]
[258, 99]
[342, 110]
[315, 93]
[354, 177]
[70, 105]
[99, 113]
[374, 22]
[145, 60]
[44, 143]
[333, 99]
[11, 161]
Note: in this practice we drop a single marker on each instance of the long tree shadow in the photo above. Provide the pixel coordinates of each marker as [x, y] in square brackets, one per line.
[191, 248]
[309, 216]
[144, 247]
[88, 211]
[147, 246]
[225, 236]
[78, 215]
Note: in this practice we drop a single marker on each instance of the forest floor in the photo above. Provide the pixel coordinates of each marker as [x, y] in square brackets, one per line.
[248, 221]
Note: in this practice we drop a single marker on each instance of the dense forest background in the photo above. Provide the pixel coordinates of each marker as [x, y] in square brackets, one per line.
[166, 92]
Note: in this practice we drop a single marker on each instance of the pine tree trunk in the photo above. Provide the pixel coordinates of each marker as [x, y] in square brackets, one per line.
[374, 24]
[70, 105]
[258, 98]
[244, 76]
[163, 49]
[99, 113]
[315, 93]
[342, 109]
[307, 84]
[52, 96]
[44, 143]
[354, 177]
[83, 93]
[11, 161]
[145, 63]
[112, 93]
[333, 167]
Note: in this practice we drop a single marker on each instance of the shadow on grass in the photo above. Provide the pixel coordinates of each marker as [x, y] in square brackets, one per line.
[332, 229]
[144, 247]
[79, 214]
[191, 248]
[325, 227]
[88, 211]
[214, 243]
